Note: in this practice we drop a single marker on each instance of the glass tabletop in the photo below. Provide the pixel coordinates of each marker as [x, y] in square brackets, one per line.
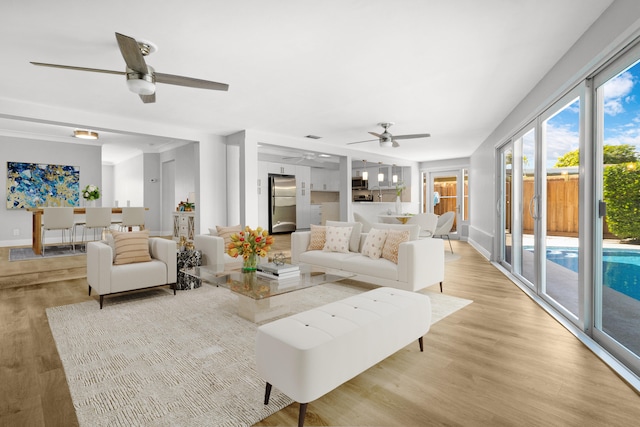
[257, 286]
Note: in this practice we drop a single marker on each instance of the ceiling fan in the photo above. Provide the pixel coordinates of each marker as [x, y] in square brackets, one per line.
[142, 78]
[302, 157]
[388, 140]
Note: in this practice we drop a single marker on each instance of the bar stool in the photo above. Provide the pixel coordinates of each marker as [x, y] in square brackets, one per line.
[132, 217]
[96, 218]
[58, 219]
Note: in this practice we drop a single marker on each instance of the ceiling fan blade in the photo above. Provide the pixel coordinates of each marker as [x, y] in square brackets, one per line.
[148, 99]
[131, 53]
[189, 82]
[394, 144]
[71, 67]
[376, 134]
[360, 142]
[417, 135]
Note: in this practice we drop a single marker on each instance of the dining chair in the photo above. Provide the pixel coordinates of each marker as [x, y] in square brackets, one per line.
[427, 222]
[132, 217]
[58, 219]
[445, 224]
[96, 219]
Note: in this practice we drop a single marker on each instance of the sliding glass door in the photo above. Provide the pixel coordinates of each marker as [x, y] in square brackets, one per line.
[617, 255]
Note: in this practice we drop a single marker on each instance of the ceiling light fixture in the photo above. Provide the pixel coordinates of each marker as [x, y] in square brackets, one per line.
[85, 134]
[365, 174]
[380, 174]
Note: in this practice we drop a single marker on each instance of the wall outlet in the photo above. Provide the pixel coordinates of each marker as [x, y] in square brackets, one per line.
[16, 231]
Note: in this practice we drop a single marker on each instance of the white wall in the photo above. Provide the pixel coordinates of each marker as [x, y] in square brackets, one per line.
[108, 186]
[129, 181]
[606, 36]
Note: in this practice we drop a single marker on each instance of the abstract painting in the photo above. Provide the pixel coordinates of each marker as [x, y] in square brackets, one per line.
[31, 185]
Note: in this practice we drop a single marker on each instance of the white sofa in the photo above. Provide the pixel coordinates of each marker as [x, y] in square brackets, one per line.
[107, 278]
[420, 261]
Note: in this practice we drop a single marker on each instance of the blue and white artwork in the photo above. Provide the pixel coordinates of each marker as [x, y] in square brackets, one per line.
[31, 185]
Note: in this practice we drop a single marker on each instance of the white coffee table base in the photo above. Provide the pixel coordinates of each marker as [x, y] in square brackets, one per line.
[259, 310]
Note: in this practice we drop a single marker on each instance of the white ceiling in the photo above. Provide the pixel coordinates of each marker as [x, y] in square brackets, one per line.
[332, 68]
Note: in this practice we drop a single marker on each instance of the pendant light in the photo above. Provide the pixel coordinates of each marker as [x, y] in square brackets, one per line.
[365, 174]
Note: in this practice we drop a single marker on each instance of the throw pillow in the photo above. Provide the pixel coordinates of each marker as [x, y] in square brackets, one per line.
[374, 243]
[394, 238]
[337, 239]
[354, 241]
[227, 232]
[132, 246]
[318, 238]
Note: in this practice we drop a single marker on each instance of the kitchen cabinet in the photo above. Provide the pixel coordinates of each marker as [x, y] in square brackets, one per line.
[263, 195]
[281, 168]
[303, 197]
[325, 179]
[315, 215]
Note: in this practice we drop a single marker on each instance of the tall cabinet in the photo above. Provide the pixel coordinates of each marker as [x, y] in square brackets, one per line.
[184, 224]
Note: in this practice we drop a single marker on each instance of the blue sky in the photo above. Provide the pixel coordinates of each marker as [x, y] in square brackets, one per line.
[621, 118]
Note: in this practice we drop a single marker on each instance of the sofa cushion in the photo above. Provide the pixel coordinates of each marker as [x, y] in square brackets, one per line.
[227, 232]
[360, 264]
[394, 238]
[337, 239]
[374, 243]
[414, 229]
[354, 242]
[131, 246]
[333, 260]
[318, 237]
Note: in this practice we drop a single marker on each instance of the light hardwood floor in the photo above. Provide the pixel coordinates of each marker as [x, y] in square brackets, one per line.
[499, 361]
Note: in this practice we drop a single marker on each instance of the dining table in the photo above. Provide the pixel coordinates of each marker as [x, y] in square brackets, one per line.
[402, 218]
[36, 235]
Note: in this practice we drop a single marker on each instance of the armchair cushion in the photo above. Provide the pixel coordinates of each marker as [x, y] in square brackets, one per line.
[227, 232]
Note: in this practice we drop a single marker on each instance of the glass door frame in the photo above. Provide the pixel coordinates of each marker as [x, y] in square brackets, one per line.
[459, 174]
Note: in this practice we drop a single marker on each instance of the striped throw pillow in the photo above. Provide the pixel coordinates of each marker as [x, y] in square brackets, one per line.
[131, 247]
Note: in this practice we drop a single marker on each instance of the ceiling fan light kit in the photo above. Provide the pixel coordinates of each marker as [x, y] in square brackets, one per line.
[141, 84]
[85, 134]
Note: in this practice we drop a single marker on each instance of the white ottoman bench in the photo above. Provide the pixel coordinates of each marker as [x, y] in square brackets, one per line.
[309, 354]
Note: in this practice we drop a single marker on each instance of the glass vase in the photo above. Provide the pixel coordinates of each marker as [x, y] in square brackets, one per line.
[250, 263]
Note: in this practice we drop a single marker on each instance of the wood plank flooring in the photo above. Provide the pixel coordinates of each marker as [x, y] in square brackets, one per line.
[499, 361]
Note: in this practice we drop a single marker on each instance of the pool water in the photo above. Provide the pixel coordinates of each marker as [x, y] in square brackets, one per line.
[621, 267]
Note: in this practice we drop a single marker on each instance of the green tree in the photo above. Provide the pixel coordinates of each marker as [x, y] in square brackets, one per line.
[612, 155]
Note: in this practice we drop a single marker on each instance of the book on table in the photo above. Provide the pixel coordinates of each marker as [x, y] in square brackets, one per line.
[278, 269]
[279, 276]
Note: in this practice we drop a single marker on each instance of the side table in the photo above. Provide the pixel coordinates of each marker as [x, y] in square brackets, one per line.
[188, 258]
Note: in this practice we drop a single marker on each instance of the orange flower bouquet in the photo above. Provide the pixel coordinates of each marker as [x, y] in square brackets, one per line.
[250, 244]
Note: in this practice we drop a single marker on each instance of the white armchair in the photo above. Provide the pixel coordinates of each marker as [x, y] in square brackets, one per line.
[107, 278]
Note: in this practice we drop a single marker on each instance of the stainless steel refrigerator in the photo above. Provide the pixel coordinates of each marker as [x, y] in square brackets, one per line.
[282, 203]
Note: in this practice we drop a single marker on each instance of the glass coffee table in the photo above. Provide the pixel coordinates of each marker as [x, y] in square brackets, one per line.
[262, 298]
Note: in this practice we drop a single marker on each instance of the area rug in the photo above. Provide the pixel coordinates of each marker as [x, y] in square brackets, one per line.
[21, 254]
[154, 359]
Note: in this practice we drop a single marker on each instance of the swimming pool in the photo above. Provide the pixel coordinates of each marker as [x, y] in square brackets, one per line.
[621, 267]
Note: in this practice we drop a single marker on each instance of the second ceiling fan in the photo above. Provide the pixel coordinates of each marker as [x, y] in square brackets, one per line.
[388, 140]
[142, 78]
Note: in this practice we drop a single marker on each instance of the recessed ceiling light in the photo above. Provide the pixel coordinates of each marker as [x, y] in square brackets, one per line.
[313, 136]
[85, 134]
[324, 155]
